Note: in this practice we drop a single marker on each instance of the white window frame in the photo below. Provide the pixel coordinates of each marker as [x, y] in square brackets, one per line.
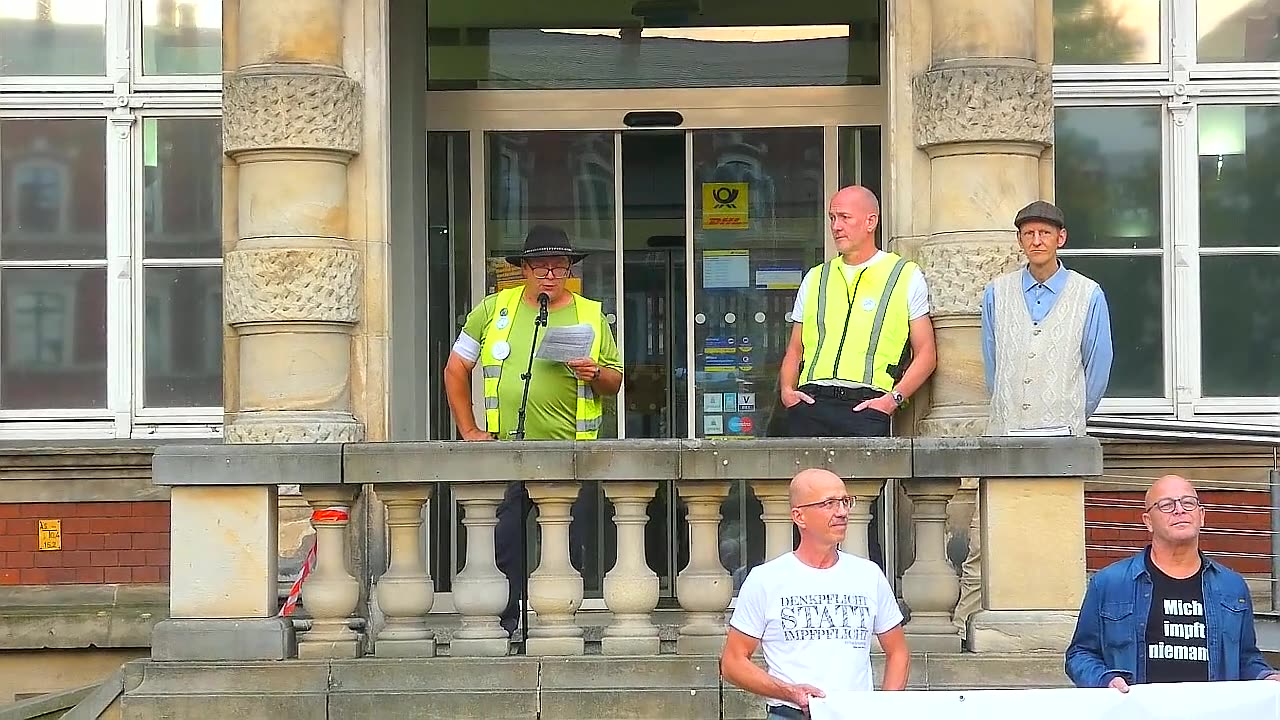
[121, 97]
[1181, 85]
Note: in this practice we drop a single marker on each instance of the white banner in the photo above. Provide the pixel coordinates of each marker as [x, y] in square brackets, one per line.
[1256, 700]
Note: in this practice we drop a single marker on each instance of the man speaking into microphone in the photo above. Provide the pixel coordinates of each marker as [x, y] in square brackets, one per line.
[525, 396]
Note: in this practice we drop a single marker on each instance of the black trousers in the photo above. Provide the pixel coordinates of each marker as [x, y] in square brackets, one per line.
[832, 415]
[510, 546]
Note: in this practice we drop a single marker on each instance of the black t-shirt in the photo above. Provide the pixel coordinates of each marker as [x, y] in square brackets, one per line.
[1177, 649]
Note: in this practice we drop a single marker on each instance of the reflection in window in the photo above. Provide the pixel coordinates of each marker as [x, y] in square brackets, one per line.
[54, 326]
[1238, 31]
[1108, 175]
[1109, 187]
[48, 38]
[1239, 330]
[53, 189]
[1106, 32]
[182, 187]
[677, 43]
[181, 37]
[1239, 150]
[184, 337]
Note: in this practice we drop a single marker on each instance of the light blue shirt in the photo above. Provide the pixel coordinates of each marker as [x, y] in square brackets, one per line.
[1095, 347]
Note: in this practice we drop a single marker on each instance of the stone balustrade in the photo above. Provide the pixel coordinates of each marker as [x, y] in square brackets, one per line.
[224, 548]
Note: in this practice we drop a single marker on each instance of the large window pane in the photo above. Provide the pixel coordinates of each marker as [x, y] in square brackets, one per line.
[1108, 176]
[1237, 30]
[1239, 175]
[1240, 349]
[181, 37]
[539, 45]
[53, 198]
[182, 187]
[55, 338]
[45, 37]
[1133, 289]
[183, 319]
[1106, 32]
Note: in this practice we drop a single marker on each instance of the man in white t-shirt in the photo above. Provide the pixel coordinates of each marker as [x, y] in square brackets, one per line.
[813, 612]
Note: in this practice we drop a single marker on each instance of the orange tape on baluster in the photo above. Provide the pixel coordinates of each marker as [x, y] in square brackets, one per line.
[330, 514]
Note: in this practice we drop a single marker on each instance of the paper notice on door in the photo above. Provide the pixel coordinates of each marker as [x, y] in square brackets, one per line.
[567, 342]
[726, 269]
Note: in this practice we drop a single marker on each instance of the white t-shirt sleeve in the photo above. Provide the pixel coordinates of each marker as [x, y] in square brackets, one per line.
[467, 347]
[797, 311]
[917, 295]
[749, 613]
[888, 614]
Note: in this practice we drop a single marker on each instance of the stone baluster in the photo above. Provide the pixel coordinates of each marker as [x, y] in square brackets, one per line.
[555, 588]
[865, 494]
[631, 587]
[330, 594]
[704, 587]
[775, 497]
[930, 586]
[479, 590]
[405, 591]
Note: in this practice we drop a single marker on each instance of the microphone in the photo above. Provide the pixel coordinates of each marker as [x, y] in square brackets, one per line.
[542, 308]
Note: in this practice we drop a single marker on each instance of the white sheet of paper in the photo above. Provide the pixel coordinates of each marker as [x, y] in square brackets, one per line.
[565, 343]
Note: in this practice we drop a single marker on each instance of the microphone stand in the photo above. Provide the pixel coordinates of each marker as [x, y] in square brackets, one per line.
[540, 322]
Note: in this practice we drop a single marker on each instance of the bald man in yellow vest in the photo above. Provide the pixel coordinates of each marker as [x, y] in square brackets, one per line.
[847, 369]
[564, 398]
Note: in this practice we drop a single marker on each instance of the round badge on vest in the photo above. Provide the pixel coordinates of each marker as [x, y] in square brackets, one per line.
[501, 350]
[502, 322]
[869, 304]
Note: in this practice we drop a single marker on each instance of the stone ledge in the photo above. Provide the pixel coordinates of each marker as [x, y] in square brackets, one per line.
[80, 616]
[267, 464]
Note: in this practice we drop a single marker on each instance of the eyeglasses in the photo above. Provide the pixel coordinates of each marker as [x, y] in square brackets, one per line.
[830, 503]
[1188, 504]
[545, 272]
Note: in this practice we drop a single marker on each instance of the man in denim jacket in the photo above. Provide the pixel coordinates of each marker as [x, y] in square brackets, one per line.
[1167, 614]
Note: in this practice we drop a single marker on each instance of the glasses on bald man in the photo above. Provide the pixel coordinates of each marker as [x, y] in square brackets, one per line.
[1165, 505]
[830, 503]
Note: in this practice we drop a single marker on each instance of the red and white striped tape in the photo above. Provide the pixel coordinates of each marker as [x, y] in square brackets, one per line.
[329, 514]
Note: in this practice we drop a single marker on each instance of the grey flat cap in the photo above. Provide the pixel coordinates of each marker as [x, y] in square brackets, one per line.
[1043, 211]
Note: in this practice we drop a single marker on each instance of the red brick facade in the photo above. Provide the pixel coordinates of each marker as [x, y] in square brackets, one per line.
[102, 542]
[1236, 533]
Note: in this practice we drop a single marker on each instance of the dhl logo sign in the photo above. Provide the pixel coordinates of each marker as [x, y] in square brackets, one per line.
[725, 206]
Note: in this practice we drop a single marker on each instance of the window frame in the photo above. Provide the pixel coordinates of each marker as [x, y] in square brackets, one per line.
[122, 97]
[1182, 85]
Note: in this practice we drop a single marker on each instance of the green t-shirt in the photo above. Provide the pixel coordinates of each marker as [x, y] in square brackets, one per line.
[551, 413]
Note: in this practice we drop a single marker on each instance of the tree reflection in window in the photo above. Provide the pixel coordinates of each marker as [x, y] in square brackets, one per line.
[39, 189]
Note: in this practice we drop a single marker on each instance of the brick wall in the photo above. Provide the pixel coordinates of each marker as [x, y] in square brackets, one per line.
[1238, 523]
[102, 542]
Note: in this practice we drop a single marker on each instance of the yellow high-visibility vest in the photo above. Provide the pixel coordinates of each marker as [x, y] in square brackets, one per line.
[590, 409]
[857, 331]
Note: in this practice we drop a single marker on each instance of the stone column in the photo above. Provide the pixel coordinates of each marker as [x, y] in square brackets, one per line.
[1022, 616]
[865, 494]
[292, 122]
[405, 591]
[982, 112]
[930, 585]
[555, 588]
[479, 590]
[631, 587]
[704, 587]
[775, 496]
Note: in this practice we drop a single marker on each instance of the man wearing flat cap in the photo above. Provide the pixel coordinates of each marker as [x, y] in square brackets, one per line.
[1046, 348]
[564, 401]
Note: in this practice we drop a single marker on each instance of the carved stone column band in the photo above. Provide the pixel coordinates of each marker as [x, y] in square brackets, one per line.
[293, 109]
[991, 103]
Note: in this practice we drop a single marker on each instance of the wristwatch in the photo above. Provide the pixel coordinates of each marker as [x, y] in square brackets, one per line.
[898, 399]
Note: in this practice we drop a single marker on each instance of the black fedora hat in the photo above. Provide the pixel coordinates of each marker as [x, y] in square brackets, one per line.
[547, 241]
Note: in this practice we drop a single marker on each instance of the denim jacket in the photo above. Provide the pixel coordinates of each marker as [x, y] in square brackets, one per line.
[1110, 637]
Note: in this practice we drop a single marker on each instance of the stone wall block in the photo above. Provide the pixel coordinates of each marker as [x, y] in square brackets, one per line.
[299, 32]
[300, 284]
[965, 29]
[292, 197]
[283, 109]
[983, 104]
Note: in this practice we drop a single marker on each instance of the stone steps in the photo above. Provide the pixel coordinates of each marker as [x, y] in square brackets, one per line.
[581, 688]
